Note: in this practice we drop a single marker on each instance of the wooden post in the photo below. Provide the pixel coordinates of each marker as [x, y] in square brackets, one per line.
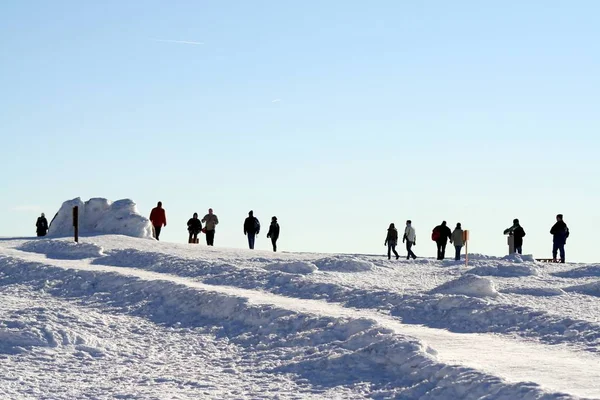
[466, 240]
[76, 223]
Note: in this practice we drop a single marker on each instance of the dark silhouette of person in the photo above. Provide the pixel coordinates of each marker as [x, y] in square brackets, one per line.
[457, 239]
[158, 218]
[391, 241]
[518, 233]
[274, 232]
[410, 237]
[440, 235]
[211, 222]
[41, 225]
[194, 227]
[560, 233]
[251, 228]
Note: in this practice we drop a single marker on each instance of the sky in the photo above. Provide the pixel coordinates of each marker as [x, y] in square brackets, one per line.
[338, 117]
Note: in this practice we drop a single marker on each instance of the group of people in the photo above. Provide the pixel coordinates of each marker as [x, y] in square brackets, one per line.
[441, 234]
[158, 219]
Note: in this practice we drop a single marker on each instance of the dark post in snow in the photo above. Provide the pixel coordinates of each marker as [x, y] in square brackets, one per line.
[76, 223]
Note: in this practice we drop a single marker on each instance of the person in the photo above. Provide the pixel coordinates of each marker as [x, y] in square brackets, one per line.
[440, 235]
[251, 228]
[518, 233]
[194, 227]
[391, 241]
[410, 237]
[560, 233]
[41, 225]
[273, 232]
[158, 219]
[457, 239]
[211, 222]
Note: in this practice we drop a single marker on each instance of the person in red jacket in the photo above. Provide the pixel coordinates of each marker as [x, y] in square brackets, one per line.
[158, 219]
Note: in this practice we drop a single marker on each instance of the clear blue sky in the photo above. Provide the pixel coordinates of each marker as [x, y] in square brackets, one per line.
[339, 117]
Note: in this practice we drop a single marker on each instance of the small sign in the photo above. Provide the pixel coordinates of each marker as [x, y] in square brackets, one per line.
[465, 236]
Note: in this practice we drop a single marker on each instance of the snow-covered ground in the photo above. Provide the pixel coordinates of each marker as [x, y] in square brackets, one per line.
[123, 317]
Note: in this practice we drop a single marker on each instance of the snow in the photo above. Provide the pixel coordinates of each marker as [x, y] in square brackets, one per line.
[122, 317]
[99, 215]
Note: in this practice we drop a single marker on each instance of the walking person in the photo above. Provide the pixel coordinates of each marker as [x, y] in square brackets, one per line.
[440, 235]
[457, 239]
[518, 233]
[560, 233]
[274, 232]
[211, 222]
[251, 228]
[41, 225]
[410, 237]
[158, 218]
[391, 241]
[194, 227]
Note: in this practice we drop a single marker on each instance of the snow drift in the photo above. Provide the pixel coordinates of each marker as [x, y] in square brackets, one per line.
[99, 215]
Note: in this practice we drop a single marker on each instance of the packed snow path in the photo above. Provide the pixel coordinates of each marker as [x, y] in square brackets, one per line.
[554, 368]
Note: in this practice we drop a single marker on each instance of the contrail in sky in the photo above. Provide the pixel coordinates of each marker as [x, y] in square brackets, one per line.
[178, 41]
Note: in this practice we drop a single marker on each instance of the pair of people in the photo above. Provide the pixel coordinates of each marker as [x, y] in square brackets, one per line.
[441, 234]
[409, 237]
[252, 228]
[195, 227]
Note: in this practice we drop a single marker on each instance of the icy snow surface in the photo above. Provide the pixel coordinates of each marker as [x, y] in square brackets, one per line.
[121, 317]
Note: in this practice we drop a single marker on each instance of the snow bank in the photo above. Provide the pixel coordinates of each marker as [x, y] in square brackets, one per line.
[519, 258]
[591, 289]
[297, 267]
[343, 264]
[468, 285]
[583, 272]
[504, 270]
[536, 291]
[99, 215]
[62, 250]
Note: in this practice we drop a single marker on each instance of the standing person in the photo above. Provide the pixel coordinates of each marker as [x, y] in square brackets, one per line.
[211, 222]
[518, 233]
[251, 228]
[194, 227]
[440, 235]
[158, 219]
[391, 241]
[273, 232]
[560, 233]
[41, 225]
[410, 237]
[457, 239]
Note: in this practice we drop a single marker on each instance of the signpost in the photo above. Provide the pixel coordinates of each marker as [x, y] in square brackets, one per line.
[76, 223]
[466, 242]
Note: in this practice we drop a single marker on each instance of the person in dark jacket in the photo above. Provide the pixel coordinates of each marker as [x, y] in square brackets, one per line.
[251, 228]
[41, 225]
[518, 233]
[194, 227]
[158, 219]
[560, 233]
[391, 241]
[440, 235]
[273, 232]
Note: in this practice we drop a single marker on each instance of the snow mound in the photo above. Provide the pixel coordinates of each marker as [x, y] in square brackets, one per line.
[468, 285]
[583, 272]
[536, 291]
[98, 215]
[298, 267]
[591, 289]
[62, 250]
[519, 258]
[505, 270]
[343, 264]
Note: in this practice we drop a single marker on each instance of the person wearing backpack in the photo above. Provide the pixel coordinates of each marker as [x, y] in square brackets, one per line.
[41, 225]
[410, 237]
[251, 228]
[518, 233]
[273, 232]
[440, 236]
[391, 241]
[194, 227]
[560, 233]
[457, 239]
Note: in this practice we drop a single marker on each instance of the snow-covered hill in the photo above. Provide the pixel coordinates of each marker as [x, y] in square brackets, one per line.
[122, 317]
